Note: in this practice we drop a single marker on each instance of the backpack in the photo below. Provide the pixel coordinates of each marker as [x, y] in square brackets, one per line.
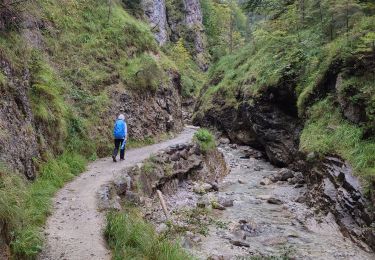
[119, 129]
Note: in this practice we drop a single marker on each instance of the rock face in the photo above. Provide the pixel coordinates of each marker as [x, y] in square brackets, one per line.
[18, 138]
[20, 133]
[150, 114]
[155, 12]
[333, 188]
[181, 19]
[270, 123]
[194, 21]
[266, 123]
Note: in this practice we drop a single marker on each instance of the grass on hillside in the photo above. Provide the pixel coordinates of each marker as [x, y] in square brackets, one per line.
[24, 207]
[326, 133]
[130, 237]
[282, 53]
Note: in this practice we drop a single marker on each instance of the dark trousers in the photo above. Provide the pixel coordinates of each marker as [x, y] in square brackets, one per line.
[118, 144]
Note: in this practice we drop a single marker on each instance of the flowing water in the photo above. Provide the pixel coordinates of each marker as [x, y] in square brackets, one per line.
[262, 229]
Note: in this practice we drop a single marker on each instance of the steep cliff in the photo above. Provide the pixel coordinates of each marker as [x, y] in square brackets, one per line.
[174, 19]
[44, 107]
[156, 14]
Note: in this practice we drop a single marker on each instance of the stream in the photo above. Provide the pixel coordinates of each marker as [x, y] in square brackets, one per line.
[290, 229]
[265, 220]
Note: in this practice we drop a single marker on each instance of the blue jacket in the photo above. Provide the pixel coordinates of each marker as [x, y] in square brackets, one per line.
[120, 129]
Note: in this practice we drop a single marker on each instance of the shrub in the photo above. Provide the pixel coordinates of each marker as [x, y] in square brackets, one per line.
[205, 139]
[142, 74]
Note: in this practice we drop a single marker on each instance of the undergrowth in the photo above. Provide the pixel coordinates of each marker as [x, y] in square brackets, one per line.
[326, 133]
[130, 237]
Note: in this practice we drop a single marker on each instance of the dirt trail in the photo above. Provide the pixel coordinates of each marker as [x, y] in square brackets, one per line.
[75, 229]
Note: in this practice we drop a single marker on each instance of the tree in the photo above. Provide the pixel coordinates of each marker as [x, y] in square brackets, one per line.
[267, 8]
[134, 7]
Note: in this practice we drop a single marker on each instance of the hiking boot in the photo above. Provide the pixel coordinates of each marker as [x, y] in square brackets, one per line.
[114, 159]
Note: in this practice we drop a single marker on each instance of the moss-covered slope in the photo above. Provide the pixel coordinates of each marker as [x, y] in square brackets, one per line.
[313, 63]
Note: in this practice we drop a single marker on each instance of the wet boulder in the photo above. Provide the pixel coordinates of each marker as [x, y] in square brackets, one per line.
[297, 179]
[285, 174]
[265, 181]
[202, 188]
[233, 146]
[217, 257]
[217, 205]
[203, 202]
[224, 141]
[275, 201]
[238, 242]
[225, 201]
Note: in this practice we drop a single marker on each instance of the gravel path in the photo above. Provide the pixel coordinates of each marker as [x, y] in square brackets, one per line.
[74, 231]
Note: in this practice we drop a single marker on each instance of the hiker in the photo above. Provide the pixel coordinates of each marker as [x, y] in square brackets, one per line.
[120, 134]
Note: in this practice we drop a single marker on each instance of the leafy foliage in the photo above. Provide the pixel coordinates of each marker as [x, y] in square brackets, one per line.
[142, 73]
[192, 77]
[226, 27]
[82, 49]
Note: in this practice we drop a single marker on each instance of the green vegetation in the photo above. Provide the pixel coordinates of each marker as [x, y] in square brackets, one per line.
[304, 45]
[148, 167]
[24, 207]
[91, 52]
[142, 73]
[131, 237]
[84, 53]
[205, 139]
[329, 133]
[192, 78]
[3, 80]
[48, 106]
[289, 49]
[226, 27]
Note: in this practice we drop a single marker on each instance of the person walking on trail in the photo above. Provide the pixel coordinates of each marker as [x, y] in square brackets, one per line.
[120, 134]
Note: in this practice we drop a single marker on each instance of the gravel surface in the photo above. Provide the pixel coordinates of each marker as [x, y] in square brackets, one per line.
[75, 228]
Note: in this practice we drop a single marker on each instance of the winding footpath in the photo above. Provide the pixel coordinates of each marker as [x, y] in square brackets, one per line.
[74, 231]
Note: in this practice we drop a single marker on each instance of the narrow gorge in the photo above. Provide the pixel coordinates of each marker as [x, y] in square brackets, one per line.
[251, 129]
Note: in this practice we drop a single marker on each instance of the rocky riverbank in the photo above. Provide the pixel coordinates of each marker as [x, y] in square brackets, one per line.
[256, 210]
